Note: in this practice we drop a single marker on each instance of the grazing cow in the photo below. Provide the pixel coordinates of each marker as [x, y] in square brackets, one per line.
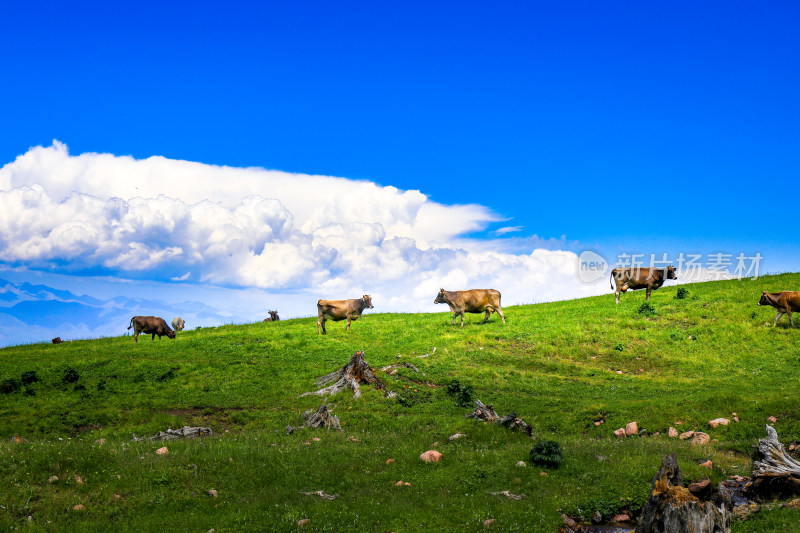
[150, 324]
[783, 302]
[471, 301]
[273, 316]
[178, 323]
[640, 278]
[337, 310]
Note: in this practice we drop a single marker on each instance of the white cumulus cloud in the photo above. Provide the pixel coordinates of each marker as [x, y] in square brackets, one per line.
[162, 219]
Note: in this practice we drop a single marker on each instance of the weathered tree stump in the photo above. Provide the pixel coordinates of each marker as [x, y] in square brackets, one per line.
[355, 373]
[775, 472]
[321, 418]
[671, 508]
[487, 414]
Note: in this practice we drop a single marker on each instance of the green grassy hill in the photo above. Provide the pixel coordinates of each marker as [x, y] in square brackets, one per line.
[560, 366]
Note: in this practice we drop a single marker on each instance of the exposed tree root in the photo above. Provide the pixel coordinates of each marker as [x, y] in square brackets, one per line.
[508, 494]
[321, 494]
[355, 373]
[170, 434]
[398, 365]
[487, 414]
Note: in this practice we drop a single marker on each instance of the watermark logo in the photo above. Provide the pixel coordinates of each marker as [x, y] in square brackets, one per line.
[591, 266]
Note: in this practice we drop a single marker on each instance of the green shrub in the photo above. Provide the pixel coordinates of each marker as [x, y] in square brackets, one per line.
[10, 385]
[646, 310]
[29, 377]
[619, 347]
[462, 394]
[70, 375]
[547, 453]
[682, 293]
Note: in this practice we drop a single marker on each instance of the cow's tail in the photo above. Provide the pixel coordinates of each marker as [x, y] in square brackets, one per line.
[611, 278]
[131, 324]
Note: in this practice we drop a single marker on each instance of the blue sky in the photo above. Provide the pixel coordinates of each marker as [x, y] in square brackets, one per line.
[655, 127]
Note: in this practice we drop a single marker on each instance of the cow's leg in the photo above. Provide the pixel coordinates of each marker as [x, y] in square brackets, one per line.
[348, 322]
[135, 336]
[780, 314]
[455, 314]
[649, 290]
[153, 337]
[616, 293]
[500, 312]
[321, 326]
[462, 318]
[791, 320]
[486, 316]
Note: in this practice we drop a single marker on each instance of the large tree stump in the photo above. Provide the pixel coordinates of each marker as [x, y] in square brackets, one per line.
[775, 472]
[321, 418]
[355, 373]
[487, 414]
[671, 508]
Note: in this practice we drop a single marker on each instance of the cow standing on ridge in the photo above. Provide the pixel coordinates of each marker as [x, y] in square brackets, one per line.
[783, 302]
[178, 323]
[640, 278]
[337, 310]
[273, 316]
[471, 301]
[150, 324]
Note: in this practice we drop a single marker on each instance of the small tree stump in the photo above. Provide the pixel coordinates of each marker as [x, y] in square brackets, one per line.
[321, 418]
[775, 472]
[487, 414]
[355, 373]
[671, 508]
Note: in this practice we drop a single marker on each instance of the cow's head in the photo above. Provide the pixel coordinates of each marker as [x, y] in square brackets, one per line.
[170, 333]
[274, 315]
[764, 299]
[367, 300]
[671, 272]
[440, 298]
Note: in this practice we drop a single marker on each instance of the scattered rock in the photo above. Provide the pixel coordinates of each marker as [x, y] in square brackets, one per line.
[316, 439]
[521, 463]
[569, 522]
[622, 517]
[632, 428]
[699, 488]
[78, 507]
[735, 417]
[52, 479]
[708, 464]
[117, 496]
[599, 422]
[303, 521]
[389, 461]
[100, 441]
[79, 480]
[399, 483]
[488, 522]
[619, 432]
[353, 439]
[718, 422]
[701, 438]
[455, 436]
[597, 517]
[406, 483]
[213, 493]
[772, 419]
[17, 439]
[162, 451]
[673, 432]
[792, 447]
[431, 456]
[542, 473]
[686, 435]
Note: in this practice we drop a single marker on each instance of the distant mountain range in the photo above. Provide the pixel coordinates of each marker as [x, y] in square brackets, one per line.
[38, 313]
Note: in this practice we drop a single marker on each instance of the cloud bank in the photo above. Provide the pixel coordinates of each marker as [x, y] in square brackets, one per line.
[168, 220]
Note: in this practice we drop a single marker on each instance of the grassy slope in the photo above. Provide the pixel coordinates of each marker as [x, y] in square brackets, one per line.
[555, 364]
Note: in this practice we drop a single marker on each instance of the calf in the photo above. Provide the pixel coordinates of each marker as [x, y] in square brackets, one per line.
[178, 323]
[150, 324]
[640, 278]
[273, 316]
[337, 310]
[471, 301]
[783, 302]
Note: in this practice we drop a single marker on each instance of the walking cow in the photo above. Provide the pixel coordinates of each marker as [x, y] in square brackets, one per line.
[641, 278]
[471, 301]
[337, 310]
[783, 302]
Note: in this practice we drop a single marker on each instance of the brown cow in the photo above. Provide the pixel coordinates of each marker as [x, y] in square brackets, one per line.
[640, 278]
[783, 302]
[337, 310]
[471, 301]
[273, 316]
[150, 324]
